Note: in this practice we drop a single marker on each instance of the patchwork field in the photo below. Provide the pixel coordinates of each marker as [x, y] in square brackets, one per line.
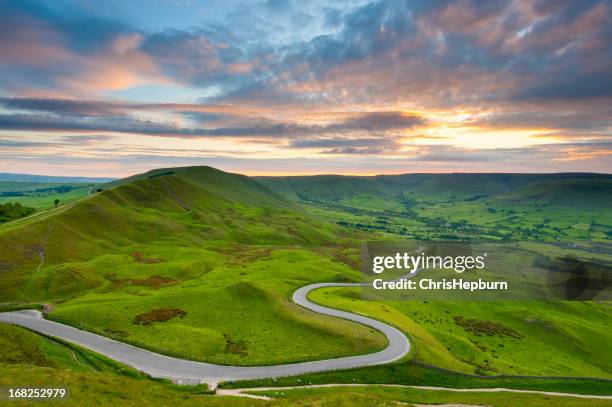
[559, 208]
[41, 195]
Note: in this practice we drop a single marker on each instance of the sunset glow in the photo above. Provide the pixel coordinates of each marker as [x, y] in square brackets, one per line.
[281, 87]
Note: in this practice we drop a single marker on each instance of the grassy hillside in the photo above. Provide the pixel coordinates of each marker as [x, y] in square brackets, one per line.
[234, 314]
[29, 360]
[430, 187]
[182, 257]
[510, 337]
[20, 346]
[203, 208]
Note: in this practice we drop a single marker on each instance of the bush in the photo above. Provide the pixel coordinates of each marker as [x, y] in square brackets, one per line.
[10, 211]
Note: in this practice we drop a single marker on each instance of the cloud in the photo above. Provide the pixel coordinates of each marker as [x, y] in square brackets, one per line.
[447, 53]
[342, 142]
[204, 58]
[65, 106]
[124, 123]
[441, 52]
[4, 144]
[348, 145]
[47, 54]
[377, 121]
[585, 117]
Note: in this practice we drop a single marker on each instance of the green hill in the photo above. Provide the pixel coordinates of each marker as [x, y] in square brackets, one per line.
[190, 206]
[212, 247]
[431, 186]
[570, 192]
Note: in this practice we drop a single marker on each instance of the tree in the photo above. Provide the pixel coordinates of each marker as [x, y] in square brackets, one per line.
[56, 202]
[10, 211]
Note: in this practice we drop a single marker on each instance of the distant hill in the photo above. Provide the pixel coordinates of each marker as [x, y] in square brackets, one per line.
[570, 191]
[10, 177]
[562, 188]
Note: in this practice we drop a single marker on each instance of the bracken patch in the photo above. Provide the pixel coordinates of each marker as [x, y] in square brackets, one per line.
[158, 315]
[116, 333]
[151, 282]
[491, 328]
[142, 259]
[238, 347]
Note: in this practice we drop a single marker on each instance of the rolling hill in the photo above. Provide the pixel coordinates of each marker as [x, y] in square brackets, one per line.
[436, 187]
[191, 206]
[189, 251]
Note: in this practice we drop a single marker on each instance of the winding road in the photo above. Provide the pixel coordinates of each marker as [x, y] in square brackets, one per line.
[187, 371]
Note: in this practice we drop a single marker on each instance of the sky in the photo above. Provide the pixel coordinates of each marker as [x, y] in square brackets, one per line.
[112, 88]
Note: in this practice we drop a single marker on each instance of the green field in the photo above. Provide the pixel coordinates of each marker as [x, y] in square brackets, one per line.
[42, 196]
[382, 396]
[40, 362]
[112, 389]
[516, 338]
[558, 208]
[238, 314]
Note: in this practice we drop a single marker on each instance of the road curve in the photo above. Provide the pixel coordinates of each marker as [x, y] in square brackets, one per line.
[187, 371]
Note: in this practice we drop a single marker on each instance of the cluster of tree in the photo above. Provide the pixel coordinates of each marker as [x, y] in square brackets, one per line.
[10, 211]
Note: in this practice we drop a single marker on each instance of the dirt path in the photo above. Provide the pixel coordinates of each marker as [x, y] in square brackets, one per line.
[245, 392]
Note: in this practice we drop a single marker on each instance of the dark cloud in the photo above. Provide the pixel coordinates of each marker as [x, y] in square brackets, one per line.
[355, 151]
[587, 117]
[124, 124]
[338, 142]
[570, 87]
[378, 121]
[62, 141]
[256, 127]
[204, 58]
[65, 106]
[23, 144]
